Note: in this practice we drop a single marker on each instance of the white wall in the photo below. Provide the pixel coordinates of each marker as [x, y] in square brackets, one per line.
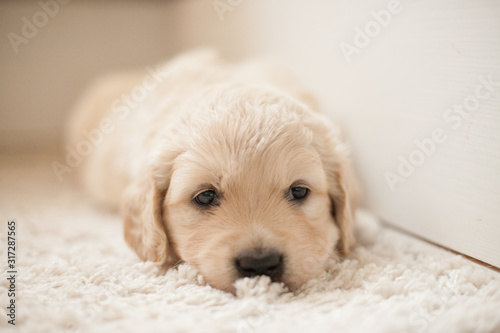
[41, 77]
[395, 90]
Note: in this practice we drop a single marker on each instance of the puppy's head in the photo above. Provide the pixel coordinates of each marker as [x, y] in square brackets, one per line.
[251, 183]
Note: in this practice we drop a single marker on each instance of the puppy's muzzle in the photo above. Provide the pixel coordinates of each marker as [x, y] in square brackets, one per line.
[258, 262]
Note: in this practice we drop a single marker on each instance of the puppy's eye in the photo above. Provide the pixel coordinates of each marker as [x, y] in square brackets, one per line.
[299, 192]
[205, 198]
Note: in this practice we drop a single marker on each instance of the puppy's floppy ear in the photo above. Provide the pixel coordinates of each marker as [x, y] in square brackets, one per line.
[342, 184]
[142, 214]
[343, 193]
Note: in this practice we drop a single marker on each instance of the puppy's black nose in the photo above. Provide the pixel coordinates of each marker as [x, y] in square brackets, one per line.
[254, 263]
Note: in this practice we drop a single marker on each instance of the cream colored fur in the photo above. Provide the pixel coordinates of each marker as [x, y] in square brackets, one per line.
[245, 129]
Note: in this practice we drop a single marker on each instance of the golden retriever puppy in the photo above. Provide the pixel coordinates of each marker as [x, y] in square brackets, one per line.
[227, 167]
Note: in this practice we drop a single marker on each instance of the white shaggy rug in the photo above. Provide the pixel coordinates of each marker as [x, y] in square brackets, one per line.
[75, 274]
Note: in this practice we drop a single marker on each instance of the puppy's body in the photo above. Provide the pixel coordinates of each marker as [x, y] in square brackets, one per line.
[139, 122]
[244, 134]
